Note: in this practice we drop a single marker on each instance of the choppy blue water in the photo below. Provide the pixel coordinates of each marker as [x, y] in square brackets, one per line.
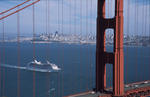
[77, 63]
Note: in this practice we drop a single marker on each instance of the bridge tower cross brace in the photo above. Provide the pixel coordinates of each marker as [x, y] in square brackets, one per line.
[116, 58]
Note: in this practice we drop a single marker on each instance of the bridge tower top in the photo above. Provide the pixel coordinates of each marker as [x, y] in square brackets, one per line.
[116, 58]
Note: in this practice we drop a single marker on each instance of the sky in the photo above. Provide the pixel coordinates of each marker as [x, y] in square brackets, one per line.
[74, 17]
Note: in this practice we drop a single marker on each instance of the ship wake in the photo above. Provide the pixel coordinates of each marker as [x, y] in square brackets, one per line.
[27, 68]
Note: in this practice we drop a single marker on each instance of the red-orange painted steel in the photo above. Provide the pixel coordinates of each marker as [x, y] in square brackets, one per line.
[118, 51]
[145, 91]
[106, 96]
[19, 10]
[14, 7]
[80, 94]
[117, 57]
[100, 48]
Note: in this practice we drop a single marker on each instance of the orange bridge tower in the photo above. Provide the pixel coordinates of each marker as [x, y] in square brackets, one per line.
[116, 58]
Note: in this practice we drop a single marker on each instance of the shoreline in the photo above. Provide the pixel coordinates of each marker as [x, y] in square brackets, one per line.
[63, 42]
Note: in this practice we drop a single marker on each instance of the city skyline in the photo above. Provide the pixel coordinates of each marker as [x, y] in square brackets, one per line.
[73, 21]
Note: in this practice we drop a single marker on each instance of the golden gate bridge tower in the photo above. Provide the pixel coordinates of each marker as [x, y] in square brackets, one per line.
[116, 58]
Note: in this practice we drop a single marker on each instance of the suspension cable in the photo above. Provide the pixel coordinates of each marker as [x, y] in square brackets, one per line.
[34, 57]
[58, 21]
[143, 24]
[18, 43]
[0, 66]
[128, 31]
[70, 19]
[18, 10]
[81, 40]
[135, 32]
[145, 31]
[62, 66]
[149, 34]
[48, 48]
[91, 81]
[3, 42]
[87, 34]
[14, 7]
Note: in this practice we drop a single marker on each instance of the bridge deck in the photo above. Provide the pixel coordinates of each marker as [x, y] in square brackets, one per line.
[130, 88]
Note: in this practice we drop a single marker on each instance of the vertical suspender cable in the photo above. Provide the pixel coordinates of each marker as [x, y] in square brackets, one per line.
[48, 48]
[148, 34]
[58, 15]
[75, 18]
[145, 35]
[48, 30]
[70, 18]
[46, 17]
[86, 29]
[62, 80]
[18, 57]
[74, 34]
[149, 38]
[70, 28]
[0, 67]
[81, 2]
[91, 78]
[46, 33]
[0, 64]
[34, 57]
[128, 31]
[3, 42]
[135, 32]
[59, 81]
[80, 46]
[125, 40]
[143, 19]
[49, 25]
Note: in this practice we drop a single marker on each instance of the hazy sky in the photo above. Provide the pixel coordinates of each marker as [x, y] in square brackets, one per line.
[77, 16]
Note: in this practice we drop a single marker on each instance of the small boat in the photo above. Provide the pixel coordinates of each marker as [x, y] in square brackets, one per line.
[39, 66]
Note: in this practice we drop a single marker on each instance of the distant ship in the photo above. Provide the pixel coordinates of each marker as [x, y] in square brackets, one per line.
[37, 65]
